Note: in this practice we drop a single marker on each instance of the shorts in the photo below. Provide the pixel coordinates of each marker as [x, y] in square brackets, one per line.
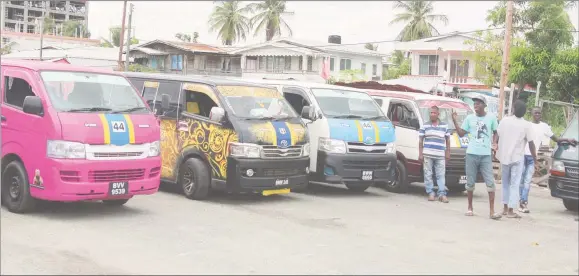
[484, 165]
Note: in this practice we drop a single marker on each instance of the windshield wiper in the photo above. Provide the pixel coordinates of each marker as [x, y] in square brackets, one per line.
[374, 118]
[265, 118]
[89, 109]
[348, 116]
[128, 110]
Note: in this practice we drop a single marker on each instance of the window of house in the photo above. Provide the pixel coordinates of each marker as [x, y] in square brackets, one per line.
[402, 114]
[374, 69]
[251, 63]
[428, 65]
[459, 68]
[198, 103]
[226, 64]
[332, 64]
[300, 63]
[345, 64]
[177, 62]
[310, 64]
[16, 90]
[295, 99]
[363, 68]
[288, 63]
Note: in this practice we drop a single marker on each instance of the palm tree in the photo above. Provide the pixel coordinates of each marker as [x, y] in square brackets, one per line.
[371, 47]
[269, 18]
[230, 21]
[418, 18]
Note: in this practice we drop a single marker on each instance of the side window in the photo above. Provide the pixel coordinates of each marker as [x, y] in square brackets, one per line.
[402, 114]
[198, 103]
[169, 88]
[149, 90]
[295, 99]
[16, 90]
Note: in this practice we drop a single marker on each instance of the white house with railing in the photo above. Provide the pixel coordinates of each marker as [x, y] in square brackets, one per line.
[288, 58]
[441, 59]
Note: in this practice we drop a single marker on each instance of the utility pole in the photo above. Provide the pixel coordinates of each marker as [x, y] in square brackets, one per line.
[129, 37]
[122, 35]
[507, 50]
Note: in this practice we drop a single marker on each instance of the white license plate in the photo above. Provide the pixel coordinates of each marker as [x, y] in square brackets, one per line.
[281, 182]
[367, 175]
[462, 180]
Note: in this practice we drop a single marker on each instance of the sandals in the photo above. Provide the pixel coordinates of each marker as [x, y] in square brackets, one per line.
[443, 199]
[495, 216]
[514, 215]
[469, 213]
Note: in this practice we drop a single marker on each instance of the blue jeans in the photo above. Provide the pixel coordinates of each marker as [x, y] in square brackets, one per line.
[512, 175]
[484, 165]
[439, 166]
[528, 171]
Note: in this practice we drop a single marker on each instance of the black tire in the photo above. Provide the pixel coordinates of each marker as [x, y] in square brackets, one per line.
[456, 188]
[194, 179]
[358, 187]
[116, 202]
[400, 185]
[16, 189]
[571, 205]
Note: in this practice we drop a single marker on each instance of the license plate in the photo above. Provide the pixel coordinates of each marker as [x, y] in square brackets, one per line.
[367, 175]
[462, 179]
[118, 188]
[275, 192]
[281, 182]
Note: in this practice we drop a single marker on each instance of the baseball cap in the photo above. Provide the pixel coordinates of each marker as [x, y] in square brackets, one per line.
[480, 98]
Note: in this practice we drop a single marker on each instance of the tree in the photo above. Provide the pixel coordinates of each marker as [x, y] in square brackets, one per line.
[229, 19]
[75, 28]
[269, 18]
[371, 47]
[563, 83]
[419, 20]
[195, 37]
[116, 37]
[400, 66]
[183, 37]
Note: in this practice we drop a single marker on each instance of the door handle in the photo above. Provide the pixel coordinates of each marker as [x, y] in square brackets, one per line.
[3, 118]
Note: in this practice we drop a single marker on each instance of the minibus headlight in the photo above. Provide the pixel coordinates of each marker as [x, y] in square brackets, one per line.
[306, 151]
[154, 149]
[331, 145]
[65, 150]
[244, 150]
[390, 148]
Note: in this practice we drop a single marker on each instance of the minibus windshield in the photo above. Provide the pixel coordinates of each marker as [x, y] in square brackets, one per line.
[346, 104]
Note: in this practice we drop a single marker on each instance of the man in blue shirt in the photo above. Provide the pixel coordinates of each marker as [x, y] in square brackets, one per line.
[434, 150]
[481, 129]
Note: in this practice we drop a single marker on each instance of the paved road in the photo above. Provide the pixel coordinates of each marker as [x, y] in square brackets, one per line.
[326, 231]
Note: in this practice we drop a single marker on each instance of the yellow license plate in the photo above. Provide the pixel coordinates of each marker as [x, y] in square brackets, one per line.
[275, 192]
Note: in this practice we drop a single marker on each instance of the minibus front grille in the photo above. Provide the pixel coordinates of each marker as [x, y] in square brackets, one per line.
[280, 172]
[271, 152]
[573, 172]
[117, 154]
[116, 175]
[357, 147]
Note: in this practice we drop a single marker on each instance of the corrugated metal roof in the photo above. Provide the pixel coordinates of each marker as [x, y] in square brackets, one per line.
[149, 51]
[90, 52]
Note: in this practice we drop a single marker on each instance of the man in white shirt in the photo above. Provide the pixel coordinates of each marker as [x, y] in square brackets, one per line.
[541, 130]
[514, 133]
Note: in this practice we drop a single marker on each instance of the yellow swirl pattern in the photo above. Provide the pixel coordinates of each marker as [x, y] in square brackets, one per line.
[169, 148]
[264, 133]
[249, 91]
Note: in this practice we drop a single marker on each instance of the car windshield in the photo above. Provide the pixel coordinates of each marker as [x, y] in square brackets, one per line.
[90, 92]
[347, 104]
[445, 108]
[252, 102]
[572, 132]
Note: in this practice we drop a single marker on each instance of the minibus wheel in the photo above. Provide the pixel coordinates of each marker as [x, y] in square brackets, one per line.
[358, 187]
[16, 190]
[115, 202]
[194, 179]
[571, 205]
[400, 183]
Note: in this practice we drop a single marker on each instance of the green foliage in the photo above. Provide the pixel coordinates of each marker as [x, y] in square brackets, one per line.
[5, 50]
[116, 37]
[183, 37]
[75, 28]
[419, 20]
[106, 43]
[563, 83]
[229, 19]
[140, 68]
[351, 75]
[371, 47]
[395, 71]
[487, 52]
[269, 18]
[529, 65]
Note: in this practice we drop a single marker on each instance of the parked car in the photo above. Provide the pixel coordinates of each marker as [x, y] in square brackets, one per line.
[74, 133]
[226, 135]
[564, 172]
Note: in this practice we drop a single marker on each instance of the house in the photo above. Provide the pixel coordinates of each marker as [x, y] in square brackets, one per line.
[441, 59]
[287, 58]
[186, 58]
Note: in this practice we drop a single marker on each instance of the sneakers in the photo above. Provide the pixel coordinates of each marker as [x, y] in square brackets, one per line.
[523, 208]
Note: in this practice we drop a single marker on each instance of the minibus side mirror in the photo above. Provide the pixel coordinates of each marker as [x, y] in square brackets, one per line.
[165, 101]
[33, 105]
[217, 114]
[308, 113]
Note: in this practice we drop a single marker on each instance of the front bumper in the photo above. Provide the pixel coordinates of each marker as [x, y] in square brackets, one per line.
[564, 187]
[269, 174]
[78, 180]
[348, 168]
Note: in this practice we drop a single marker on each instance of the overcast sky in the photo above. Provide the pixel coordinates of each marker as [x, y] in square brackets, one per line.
[355, 21]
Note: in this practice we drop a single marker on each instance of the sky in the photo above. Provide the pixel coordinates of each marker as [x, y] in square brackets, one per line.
[354, 21]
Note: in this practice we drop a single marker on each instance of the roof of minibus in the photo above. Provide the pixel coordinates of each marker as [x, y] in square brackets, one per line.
[209, 80]
[409, 95]
[302, 84]
[54, 66]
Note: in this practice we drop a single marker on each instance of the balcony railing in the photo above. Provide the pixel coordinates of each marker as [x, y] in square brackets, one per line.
[451, 79]
[279, 71]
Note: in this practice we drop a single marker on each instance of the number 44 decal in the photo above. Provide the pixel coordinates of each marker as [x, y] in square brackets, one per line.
[118, 126]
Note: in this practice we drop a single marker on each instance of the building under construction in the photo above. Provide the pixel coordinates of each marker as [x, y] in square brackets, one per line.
[25, 16]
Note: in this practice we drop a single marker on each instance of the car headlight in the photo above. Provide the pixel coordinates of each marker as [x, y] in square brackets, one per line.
[244, 150]
[331, 145]
[306, 150]
[65, 150]
[154, 149]
[390, 148]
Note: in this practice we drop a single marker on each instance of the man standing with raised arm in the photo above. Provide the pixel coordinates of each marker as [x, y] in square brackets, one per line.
[481, 128]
